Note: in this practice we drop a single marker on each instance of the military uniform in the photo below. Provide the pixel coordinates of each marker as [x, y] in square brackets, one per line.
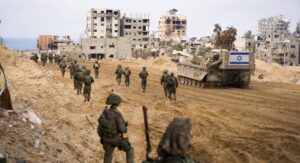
[75, 67]
[164, 82]
[44, 58]
[111, 128]
[144, 75]
[78, 80]
[96, 69]
[62, 67]
[119, 73]
[172, 85]
[71, 68]
[127, 73]
[35, 58]
[88, 80]
[50, 57]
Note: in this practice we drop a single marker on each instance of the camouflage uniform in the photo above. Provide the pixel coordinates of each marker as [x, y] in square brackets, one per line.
[71, 68]
[88, 80]
[50, 57]
[127, 73]
[78, 80]
[35, 58]
[62, 67]
[172, 85]
[111, 128]
[164, 82]
[76, 66]
[119, 73]
[143, 75]
[96, 69]
[44, 57]
[84, 71]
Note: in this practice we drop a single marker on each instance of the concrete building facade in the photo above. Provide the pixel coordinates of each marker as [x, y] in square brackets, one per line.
[172, 26]
[137, 31]
[103, 23]
[106, 47]
[47, 42]
[273, 24]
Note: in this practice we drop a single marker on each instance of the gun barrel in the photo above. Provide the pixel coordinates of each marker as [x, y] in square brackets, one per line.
[147, 131]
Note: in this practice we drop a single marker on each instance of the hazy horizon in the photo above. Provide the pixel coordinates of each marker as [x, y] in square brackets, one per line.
[28, 19]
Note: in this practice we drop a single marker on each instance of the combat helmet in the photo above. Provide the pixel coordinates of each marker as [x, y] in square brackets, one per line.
[88, 72]
[144, 67]
[83, 67]
[113, 99]
[166, 71]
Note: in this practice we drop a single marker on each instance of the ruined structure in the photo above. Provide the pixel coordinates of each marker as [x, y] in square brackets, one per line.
[273, 24]
[172, 26]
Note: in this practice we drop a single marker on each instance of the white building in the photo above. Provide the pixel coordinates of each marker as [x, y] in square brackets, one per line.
[273, 24]
[172, 26]
[103, 23]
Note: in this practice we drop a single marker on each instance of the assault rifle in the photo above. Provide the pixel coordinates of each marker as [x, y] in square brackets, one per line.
[147, 132]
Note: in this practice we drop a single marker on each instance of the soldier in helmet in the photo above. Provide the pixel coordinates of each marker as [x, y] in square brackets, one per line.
[75, 67]
[44, 58]
[62, 67]
[71, 68]
[111, 128]
[127, 73]
[164, 82]
[175, 142]
[119, 73]
[88, 80]
[50, 57]
[84, 71]
[144, 75]
[172, 86]
[35, 58]
[78, 80]
[96, 69]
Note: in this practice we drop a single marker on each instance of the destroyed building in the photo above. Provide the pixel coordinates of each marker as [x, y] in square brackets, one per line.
[108, 34]
[273, 24]
[47, 42]
[172, 26]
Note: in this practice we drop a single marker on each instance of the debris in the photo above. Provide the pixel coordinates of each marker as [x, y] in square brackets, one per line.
[37, 144]
[260, 76]
[34, 117]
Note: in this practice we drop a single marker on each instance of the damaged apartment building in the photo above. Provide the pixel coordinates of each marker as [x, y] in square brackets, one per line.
[109, 35]
[276, 44]
[172, 27]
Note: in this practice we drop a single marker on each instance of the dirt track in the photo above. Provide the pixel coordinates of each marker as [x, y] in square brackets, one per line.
[259, 124]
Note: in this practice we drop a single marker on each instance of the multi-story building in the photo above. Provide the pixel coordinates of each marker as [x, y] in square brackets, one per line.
[103, 23]
[297, 31]
[273, 24]
[137, 31]
[47, 42]
[172, 26]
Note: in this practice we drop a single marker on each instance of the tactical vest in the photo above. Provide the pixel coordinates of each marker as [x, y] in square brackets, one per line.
[88, 80]
[107, 124]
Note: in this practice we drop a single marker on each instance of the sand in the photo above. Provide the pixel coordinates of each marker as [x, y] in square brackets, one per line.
[259, 124]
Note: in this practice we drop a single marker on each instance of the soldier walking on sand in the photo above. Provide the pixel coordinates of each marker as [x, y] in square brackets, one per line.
[172, 86]
[62, 67]
[88, 80]
[164, 82]
[44, 58]
[78, 80]
[119, 73]
[50, 57]
[144, 75]
[111, 130]
[127, 73]
[96, 69]
[71, 68]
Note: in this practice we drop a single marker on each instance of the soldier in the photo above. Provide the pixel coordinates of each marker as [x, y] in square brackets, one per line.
[175, 141]
[78, 80]
[35, 58]
[172, 85]
[84, 71]
[88, 80]
[111, 128]
[127, 73]
[44, 58]
[56, 59]
[164, 82]
[50, 57]
[96, 69]
[144, 75]
[62, 67]
[71, 68]
[76, 66]
[119, 73]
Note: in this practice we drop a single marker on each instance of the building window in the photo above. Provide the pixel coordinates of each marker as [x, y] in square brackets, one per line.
[102, 24]
[95, 30]
[134, 21]
[101, 47]
[112, 46]
[102, 12]
[276, 36]
[293, 46]
[95, 12]
[116, 30]
[116, 25]
[92, 47]
[95, 17]
[102, 19]
[140, 27]
[95, 24]
[134, 27]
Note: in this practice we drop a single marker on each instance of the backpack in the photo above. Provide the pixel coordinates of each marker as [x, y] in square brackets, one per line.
[79, 76]
[144, 74]
[171, 81]
[127, 72]
[88, 80]
[96, 66]
[107, 123]
[62, 65]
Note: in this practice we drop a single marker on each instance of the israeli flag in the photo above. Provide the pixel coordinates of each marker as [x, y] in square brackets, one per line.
[239, 58]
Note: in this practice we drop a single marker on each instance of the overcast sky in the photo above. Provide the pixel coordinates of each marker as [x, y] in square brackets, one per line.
[29, 18]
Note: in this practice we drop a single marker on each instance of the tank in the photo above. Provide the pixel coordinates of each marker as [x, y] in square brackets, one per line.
[218, 67]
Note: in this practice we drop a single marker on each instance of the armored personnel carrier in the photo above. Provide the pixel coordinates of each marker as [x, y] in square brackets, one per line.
[218, 67]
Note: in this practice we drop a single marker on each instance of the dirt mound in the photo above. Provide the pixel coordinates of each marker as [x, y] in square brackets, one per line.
[276, 73]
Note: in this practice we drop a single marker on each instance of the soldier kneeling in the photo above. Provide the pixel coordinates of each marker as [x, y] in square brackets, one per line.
[111, 128]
